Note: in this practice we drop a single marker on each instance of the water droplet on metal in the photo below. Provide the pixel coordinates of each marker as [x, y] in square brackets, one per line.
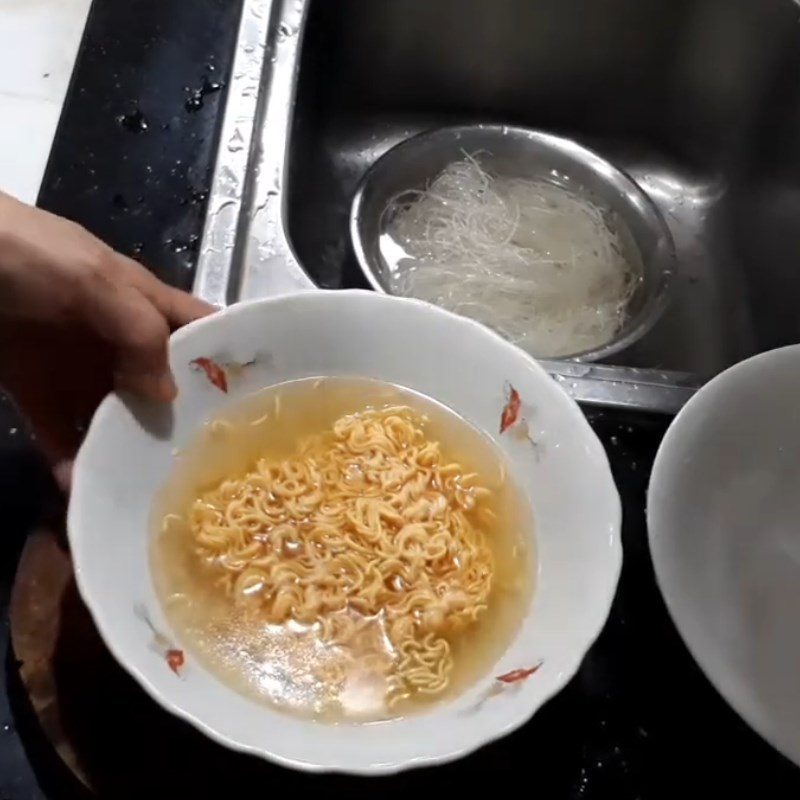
[236, 142]
[134, 121]
[285, 30]
[195, 100]
[189, 245]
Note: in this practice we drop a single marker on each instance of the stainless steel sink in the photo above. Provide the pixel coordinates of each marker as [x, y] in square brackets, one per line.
[698, 100]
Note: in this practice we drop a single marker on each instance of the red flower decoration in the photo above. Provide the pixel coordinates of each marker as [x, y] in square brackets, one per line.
[517, 675]
[214, 372]
[175, 660]
[511, 410]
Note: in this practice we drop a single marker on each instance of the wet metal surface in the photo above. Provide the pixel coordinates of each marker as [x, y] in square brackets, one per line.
[699, 101]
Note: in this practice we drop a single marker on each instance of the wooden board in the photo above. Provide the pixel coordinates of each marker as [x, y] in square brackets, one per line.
[112, 737]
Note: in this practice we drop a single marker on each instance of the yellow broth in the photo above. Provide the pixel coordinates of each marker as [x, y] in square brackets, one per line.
[289, 665]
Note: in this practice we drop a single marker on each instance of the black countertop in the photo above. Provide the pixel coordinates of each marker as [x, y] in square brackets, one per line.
[132, 161]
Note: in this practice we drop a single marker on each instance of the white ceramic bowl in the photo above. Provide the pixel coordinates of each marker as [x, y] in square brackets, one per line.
[724, 527]
[127, 455]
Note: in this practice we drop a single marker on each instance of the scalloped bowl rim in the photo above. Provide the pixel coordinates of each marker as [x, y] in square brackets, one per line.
[436, 749]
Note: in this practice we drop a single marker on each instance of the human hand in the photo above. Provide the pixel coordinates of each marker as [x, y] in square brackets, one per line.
[78, 319]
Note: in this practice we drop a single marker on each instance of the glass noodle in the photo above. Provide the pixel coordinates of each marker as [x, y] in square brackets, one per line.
[539, 263]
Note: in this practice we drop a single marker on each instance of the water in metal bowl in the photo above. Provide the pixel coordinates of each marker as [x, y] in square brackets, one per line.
[640, 241]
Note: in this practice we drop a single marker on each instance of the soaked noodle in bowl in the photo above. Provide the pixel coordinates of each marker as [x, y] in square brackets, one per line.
[365, 552]
[538, 260]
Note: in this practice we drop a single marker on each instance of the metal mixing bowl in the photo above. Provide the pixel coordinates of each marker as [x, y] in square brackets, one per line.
[524, 153]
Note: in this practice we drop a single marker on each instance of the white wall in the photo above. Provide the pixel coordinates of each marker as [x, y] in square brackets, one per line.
[38, 43]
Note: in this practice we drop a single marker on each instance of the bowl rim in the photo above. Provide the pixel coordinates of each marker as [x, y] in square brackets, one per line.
[523, 712]
[656, 303]
[704, 397]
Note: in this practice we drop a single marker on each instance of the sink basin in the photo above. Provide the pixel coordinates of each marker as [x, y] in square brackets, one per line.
[698, 101]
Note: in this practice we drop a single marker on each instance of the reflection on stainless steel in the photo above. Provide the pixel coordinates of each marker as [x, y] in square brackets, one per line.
[524, 153]
[628, 387]
[244, 253]
[698, 101]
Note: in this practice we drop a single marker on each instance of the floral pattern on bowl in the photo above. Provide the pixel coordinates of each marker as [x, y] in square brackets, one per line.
[173, 655]
[220, 373]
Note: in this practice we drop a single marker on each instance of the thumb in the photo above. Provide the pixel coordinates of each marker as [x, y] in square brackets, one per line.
[138, 334]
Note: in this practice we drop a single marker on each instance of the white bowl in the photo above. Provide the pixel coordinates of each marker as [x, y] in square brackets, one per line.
[724, 527]
[127, 455]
